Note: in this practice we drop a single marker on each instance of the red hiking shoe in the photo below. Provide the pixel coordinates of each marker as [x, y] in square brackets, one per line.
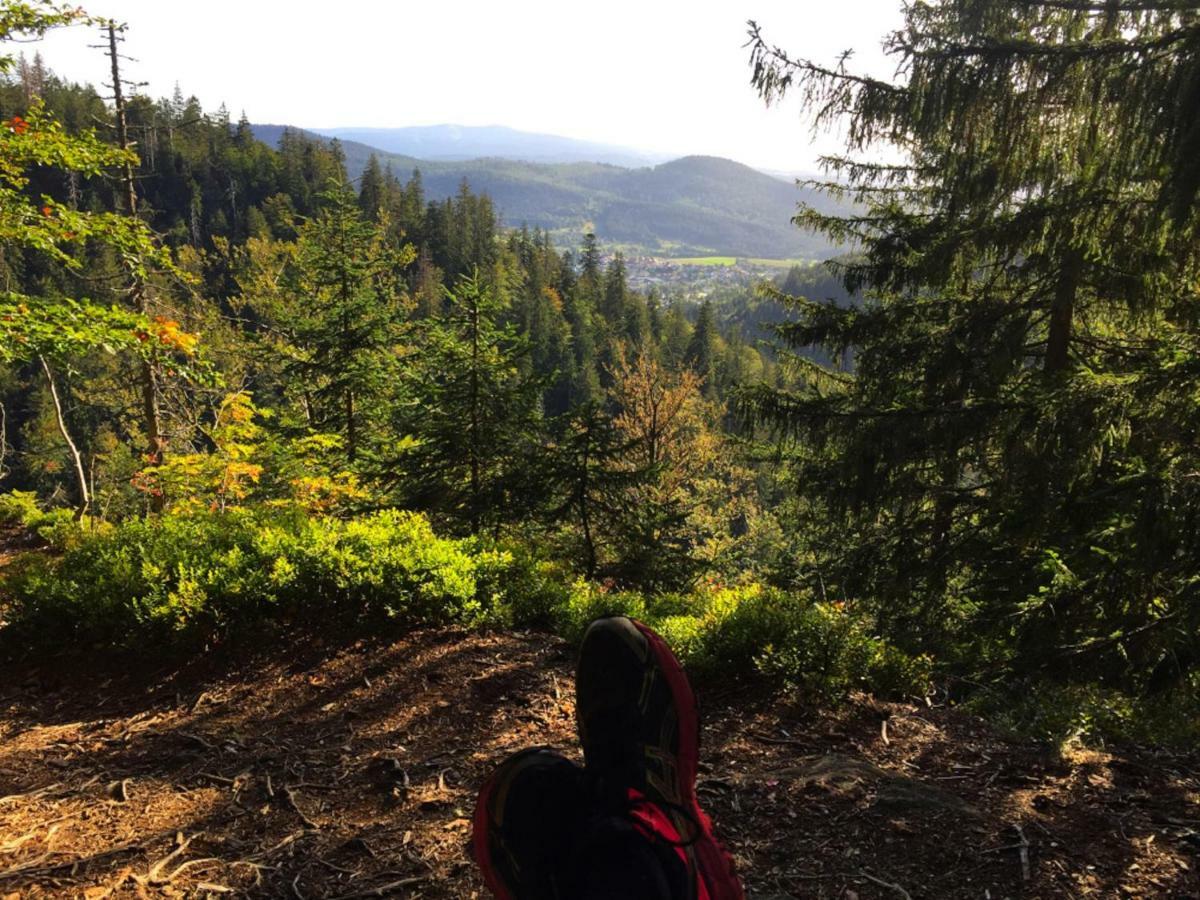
[640, 730]
[540, 833]
[526, 820]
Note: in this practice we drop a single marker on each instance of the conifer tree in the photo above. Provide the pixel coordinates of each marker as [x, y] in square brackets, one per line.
[372, 189]
[471, 411]
[596, 480]
[346, 291]
[702, 348]
[1006, 464]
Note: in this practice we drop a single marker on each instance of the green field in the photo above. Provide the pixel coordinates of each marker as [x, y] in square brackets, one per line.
[706, 261]
[734, 260]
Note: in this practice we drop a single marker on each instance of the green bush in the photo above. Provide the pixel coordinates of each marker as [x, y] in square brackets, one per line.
[1065, 714]
[183, 580]
[826, 649]
[57, 527]
[188, 579]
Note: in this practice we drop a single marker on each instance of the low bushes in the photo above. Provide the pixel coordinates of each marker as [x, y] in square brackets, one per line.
[178, 582]
[186, 580]
[827, 649]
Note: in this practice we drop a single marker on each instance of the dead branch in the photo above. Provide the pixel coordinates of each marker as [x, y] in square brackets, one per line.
[887, 884]
[1024, 851]
[384, 889]
[32, 870]
[30, 795]
[295, 807]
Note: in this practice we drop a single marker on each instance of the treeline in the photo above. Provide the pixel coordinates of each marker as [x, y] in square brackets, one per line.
[369, 346]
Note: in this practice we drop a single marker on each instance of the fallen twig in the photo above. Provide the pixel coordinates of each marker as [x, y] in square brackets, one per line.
[887, 884]
[30, 795]
[384, 888]
[786, 742]
[206, 744]
[29, 870]
[1024, 848]
[291, 798]
[16, 843]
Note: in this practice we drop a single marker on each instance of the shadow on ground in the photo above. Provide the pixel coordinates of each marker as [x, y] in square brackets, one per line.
[350, 771]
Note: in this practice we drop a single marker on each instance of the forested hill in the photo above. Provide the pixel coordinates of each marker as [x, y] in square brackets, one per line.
[694, 206]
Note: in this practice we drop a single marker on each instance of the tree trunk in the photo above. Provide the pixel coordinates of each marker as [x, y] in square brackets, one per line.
[1062, 314]
[148, 377]
[474, 443]
[585, 518]
[85, 496]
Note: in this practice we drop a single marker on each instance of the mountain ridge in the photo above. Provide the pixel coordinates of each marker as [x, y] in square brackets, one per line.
[685, 207]
[463, 142]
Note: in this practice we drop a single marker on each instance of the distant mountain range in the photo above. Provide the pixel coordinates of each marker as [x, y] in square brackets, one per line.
[693, 206]
[461, 142]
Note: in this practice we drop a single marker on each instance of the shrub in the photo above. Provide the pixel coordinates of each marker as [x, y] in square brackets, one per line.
[57, 527]
[826, 649]
[184, 579]
[1064, 714]
[188, 579]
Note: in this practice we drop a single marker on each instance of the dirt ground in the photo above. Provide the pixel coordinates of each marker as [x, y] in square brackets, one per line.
[351, 771]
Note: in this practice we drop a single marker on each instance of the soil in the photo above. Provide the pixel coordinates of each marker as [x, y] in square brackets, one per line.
[350, 771]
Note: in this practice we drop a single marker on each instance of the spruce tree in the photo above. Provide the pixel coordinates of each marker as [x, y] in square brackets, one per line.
[472, 412]
[372, 189]
[1003, 471]
[344, 283]
[702, 349]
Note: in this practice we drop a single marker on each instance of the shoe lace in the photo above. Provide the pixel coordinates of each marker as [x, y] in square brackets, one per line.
[697, 830]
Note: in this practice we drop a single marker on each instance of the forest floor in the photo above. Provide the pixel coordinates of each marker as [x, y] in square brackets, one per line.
[351, 771]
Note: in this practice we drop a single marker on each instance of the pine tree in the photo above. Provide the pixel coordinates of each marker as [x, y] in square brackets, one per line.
[344, 283]
[594, 478]
[372, 190]
[472, 412]
[702, 348]
[616, 294]
[676, 335]
[1005, 465]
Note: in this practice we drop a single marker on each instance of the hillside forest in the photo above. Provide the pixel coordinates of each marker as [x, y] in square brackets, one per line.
[245, 392]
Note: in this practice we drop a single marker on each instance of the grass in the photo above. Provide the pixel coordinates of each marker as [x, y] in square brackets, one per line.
[706, 261]
[735, 260]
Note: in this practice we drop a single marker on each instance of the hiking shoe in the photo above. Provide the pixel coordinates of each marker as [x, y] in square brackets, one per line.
[639, 726]
[527, 819]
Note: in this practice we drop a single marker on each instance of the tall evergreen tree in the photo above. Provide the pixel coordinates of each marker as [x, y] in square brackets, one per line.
[472, 411]
[372, 189]
[1006, 466]
[702, 348]
[345, 283]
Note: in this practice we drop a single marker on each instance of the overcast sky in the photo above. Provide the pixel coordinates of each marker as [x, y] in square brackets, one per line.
[662, 75]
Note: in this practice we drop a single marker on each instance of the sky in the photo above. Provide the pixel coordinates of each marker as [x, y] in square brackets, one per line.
[666, 76]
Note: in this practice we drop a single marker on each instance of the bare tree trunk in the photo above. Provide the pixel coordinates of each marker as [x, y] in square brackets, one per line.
[151, 415]
[85, 496]
[585, 517]
[474, 443]
[3, 439]
[1062, 314]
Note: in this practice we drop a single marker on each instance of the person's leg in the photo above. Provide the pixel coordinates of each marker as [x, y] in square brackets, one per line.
[617, 862]
[627, 826]
[639, 726]
[539, 835]
[527, 817]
